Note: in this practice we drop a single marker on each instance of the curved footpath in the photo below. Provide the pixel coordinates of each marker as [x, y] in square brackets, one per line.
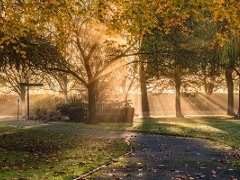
[157, 157]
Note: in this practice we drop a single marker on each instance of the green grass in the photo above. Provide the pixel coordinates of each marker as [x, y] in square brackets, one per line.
[222, 129]
[31, 154]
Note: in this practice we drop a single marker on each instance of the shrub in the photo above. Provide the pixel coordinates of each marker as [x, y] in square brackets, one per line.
[74, 109]
[44, 109]
[45, 114]
[54, 115]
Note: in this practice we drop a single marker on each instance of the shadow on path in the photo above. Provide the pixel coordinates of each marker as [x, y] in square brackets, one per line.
[164, 157]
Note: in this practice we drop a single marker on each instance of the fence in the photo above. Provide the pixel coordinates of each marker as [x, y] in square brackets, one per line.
[109, 109]
[113, 112]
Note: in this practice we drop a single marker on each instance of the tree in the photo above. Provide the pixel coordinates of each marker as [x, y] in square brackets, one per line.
[64, 21]
[231, 56]
[95, 54]
[238, 112]
[29, 52]
[129, 77]
[21, 40]
[11, 79]
[211, 70]
[143, 86]
[62, 83]
[79, 24]
[94, 60]
[23, 57]
[174, 55]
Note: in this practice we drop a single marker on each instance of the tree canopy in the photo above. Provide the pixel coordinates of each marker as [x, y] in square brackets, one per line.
[29, 51]
[85, 38]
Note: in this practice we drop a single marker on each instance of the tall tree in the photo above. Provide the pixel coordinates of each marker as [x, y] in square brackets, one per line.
[61, 83]
[11, 79]
[232, 54]
[95, 59]
[172, 55]
[143, 86]
[29, 51]
[95, 53]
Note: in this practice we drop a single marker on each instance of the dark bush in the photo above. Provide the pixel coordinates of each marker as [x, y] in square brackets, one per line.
[45, 114]
[74, 110]
[76, 114]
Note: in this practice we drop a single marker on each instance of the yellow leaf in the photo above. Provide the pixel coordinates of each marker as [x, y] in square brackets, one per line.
[23, 52]
[23, 45]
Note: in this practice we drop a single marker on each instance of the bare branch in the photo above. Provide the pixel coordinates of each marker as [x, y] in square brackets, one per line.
[70, 72]
[107, 65]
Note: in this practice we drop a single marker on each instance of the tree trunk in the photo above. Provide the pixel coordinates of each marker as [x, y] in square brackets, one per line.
[126, 86]
[65, 88]
[144, 97]
[124, 89]
[208, 83]
[209, 87]
[238, 113]
[65, 96]
[177, 79]
[91, 104]
[229, 80]
[23, 107]
[23, 101]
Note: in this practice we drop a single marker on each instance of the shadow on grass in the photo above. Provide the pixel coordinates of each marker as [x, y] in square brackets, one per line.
[166, 156]
[218, 128]
[230, 126]
[223, 129]
[174, 157]
[25, 153]
[47, 155]
[204, 127]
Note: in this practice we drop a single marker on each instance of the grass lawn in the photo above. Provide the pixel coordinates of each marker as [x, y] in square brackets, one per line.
[31, 154]
[223, 129]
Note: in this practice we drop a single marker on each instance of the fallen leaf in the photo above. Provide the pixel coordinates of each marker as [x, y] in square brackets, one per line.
[59, 172]
[202, 176]
[214, 175]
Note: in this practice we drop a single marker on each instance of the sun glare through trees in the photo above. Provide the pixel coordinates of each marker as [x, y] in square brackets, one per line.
[161, 57]
[146, 89]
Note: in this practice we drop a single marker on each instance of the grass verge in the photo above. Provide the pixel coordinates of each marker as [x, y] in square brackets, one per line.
[30, 154]
[222, 129]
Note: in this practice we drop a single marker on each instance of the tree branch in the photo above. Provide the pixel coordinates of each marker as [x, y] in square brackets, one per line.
[80, 48]
[238, 73]
[107, 65]
[72, 73]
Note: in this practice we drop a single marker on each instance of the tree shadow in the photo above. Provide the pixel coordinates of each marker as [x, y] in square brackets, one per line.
[32, 149]
[171, 157]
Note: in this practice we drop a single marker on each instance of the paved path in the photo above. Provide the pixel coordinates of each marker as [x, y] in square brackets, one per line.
[165, 157]
[157, 157]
